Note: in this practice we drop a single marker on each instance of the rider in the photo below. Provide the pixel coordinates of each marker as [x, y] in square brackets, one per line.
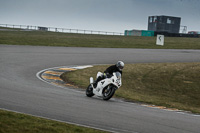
[109, 71]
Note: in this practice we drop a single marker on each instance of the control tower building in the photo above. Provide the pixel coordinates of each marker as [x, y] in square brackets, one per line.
[162, 23]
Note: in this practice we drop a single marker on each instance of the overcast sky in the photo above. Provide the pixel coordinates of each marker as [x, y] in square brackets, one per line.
[103, 15]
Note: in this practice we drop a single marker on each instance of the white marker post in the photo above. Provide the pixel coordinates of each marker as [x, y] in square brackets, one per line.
[160, 40]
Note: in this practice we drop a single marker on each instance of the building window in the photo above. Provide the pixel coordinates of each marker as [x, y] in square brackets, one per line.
[155, 19]
[150, 19]
[169, 21]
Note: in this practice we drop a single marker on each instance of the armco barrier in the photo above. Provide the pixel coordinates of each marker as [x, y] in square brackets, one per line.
[167, 34]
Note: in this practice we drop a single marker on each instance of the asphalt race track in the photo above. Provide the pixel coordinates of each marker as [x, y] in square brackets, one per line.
[22, 91]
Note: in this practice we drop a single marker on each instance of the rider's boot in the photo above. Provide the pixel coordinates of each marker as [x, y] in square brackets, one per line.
[96, 82]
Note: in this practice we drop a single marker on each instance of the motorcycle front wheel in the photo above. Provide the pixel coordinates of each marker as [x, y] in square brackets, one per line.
[89, 91]
[108, 92]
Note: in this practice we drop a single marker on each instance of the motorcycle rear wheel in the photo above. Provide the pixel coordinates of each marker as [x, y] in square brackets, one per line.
[108, 92]
[89, 91]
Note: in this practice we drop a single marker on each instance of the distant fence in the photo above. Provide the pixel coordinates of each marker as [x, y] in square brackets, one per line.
[63, 30]
[175, 34]
[155, 33]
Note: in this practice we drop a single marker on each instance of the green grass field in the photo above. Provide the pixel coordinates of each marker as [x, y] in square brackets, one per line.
[20, 123]
[40, 38]
[173, 85]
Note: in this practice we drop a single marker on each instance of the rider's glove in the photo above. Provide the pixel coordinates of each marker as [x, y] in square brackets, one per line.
[104, 74]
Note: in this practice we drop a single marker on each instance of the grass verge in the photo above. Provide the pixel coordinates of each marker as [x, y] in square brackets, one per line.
[173, 85]
[19, 123]
[41, 38]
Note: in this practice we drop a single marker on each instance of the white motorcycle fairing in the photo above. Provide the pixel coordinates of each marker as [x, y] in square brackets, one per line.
[114, 80]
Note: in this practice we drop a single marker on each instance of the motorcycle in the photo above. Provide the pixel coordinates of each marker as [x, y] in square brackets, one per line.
[106, 87]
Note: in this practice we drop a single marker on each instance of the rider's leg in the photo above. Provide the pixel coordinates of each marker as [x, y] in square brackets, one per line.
[97, 80]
